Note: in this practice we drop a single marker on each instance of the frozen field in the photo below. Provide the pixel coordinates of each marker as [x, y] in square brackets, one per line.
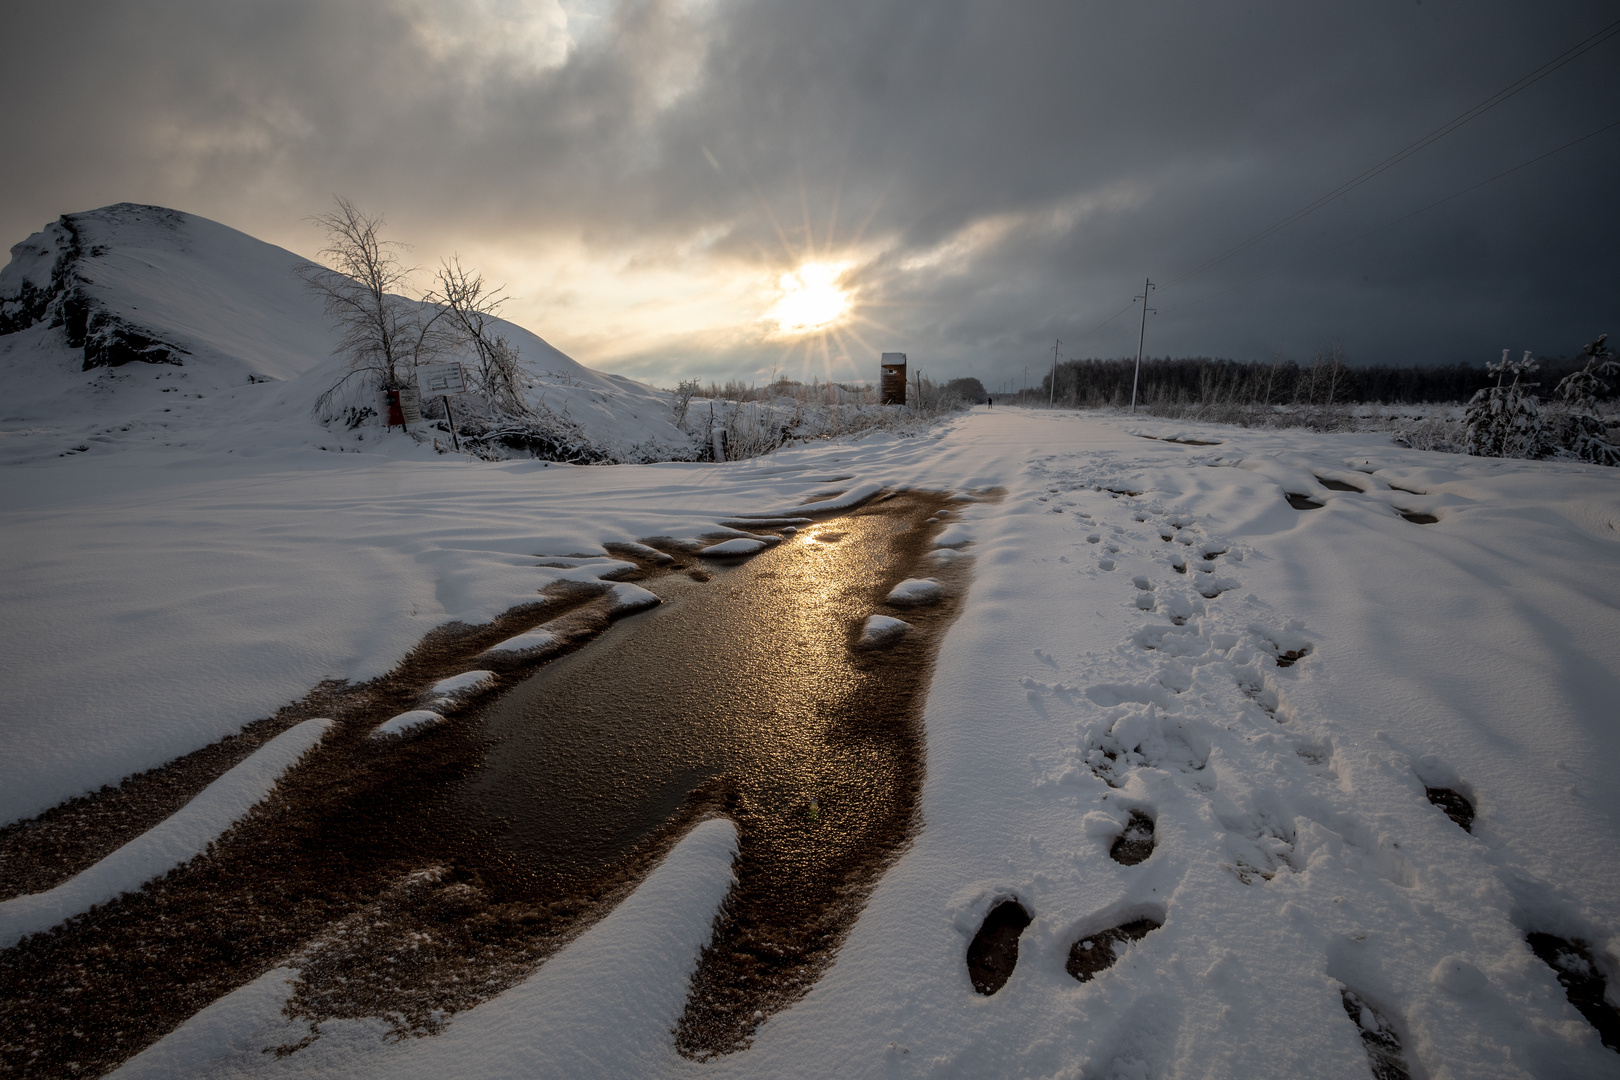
[1151, 626]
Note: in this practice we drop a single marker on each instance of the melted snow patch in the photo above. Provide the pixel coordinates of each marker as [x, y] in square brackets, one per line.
[881, 630]
[741, 545]
[853, 497]
[625, 597]
[916, 592]
[535, 641]
[856, 495]
[449, 694]
[407, 723]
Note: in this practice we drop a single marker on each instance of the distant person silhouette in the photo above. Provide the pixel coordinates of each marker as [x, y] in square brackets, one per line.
[989, 402]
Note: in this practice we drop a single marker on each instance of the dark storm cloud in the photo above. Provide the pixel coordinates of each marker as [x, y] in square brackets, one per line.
[1014, 170]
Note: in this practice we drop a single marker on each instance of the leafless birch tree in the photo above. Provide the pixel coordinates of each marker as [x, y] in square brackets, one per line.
[383, 335]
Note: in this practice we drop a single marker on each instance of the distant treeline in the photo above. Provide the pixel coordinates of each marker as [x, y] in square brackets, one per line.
[1329, 380]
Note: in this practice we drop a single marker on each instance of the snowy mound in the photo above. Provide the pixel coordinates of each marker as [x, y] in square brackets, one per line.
[106, 315]
[916, 592]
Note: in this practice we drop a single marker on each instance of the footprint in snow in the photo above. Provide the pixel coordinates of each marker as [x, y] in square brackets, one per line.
[1455, 804]
[1583, 982]
[1095, 953]
[1340, 485]
[1210, 587]
[993, 953]
[1136, 843]
[1254, 687]
[1378, 1038]
[1416, 517]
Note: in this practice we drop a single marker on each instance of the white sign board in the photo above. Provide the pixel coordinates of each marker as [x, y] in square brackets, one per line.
[441, 379]
[410, 404]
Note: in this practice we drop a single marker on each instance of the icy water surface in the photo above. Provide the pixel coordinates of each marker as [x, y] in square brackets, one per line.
[753, 683]
[753, 675]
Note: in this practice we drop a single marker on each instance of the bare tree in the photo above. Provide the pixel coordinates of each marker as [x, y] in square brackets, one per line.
[1271, 376]
[383, 335]
[1336, 368]
[471, 310]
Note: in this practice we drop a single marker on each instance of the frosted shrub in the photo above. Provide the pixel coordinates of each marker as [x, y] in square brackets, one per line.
[1504, 420]
[543, 434]
[1580, 427]
[683, 400]
[1439, 433]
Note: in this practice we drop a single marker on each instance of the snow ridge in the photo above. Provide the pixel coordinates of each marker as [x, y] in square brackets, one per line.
[173, 842]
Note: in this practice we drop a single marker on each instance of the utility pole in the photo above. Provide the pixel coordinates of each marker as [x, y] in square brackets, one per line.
[1146, 288]
[1051, 397]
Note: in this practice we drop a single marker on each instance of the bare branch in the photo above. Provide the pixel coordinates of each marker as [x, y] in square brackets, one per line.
[471, 310]
[382, 334]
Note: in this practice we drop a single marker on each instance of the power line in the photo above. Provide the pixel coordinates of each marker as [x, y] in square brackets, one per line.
[1404, 217]
[1106, 321]
[1563, 58]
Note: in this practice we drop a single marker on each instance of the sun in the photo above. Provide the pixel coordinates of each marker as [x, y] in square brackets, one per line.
[811, 299]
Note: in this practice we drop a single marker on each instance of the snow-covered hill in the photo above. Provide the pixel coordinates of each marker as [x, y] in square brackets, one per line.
[142, 324]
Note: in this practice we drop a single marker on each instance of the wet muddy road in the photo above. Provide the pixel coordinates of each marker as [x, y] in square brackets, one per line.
[411, 880]
[753, 675]
[753, 679]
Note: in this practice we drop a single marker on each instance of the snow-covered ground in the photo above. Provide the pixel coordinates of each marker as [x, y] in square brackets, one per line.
[160, 597]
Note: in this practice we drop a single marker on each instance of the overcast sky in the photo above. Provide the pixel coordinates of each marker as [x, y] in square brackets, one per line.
[974, 179]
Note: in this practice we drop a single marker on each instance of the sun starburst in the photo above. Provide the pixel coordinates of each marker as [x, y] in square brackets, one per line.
[812, 299]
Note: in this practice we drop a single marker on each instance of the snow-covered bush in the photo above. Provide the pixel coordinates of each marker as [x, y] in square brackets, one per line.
[748, 420]
[547, 436]
[1504, 421]
[1578, 425]
[684, 390]
[1434, 431]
